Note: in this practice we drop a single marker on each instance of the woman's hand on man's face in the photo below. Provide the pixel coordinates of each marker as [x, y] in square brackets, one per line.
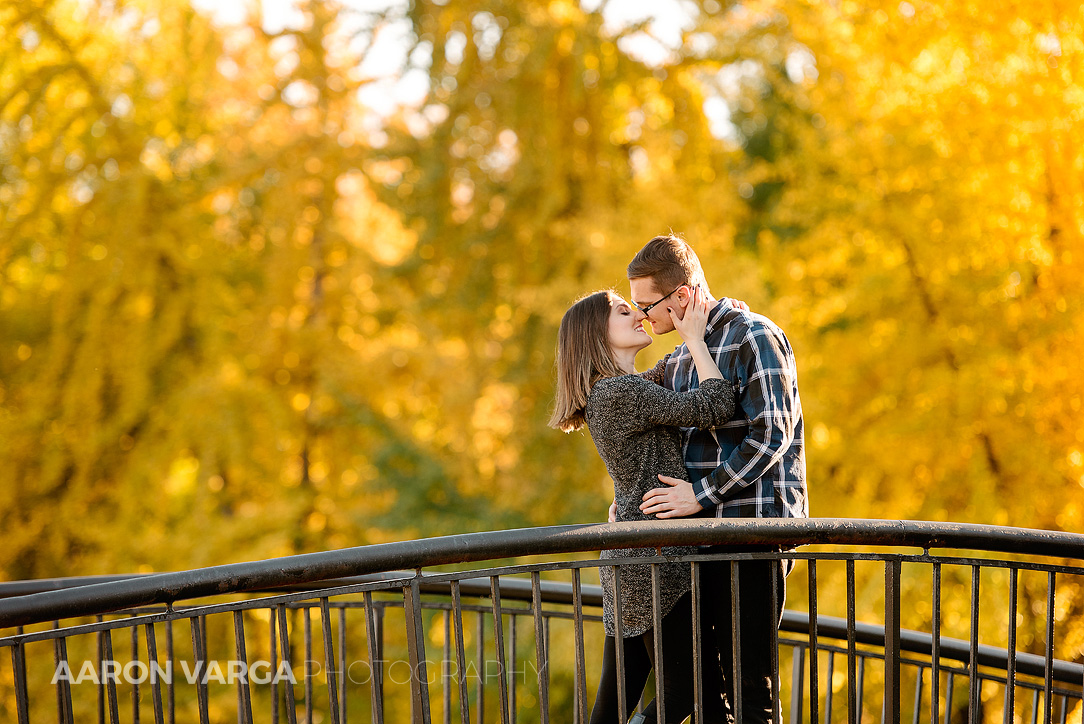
[695, 321]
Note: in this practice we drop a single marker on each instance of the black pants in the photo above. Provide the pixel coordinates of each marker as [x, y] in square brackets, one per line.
[677, 665]
[758, 621]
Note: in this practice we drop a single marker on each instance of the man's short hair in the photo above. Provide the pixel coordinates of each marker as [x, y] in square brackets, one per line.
[670, 262]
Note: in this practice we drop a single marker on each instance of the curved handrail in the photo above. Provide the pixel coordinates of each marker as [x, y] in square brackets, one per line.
[471, 547]
[515, 589]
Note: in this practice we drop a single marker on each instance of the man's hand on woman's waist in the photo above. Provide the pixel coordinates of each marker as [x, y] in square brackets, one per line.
[676, 501]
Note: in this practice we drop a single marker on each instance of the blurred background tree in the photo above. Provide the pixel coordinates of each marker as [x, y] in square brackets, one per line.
[246, 311]
[274, 282]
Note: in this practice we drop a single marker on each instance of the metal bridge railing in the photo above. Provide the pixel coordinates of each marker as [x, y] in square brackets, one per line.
[365, 634]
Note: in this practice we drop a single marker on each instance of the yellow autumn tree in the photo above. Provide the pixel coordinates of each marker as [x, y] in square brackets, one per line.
[191, 262]
[911, 172]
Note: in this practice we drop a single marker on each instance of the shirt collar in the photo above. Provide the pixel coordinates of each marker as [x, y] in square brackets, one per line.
[716, 317]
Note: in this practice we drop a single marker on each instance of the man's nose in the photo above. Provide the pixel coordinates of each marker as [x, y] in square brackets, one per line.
[638, 315]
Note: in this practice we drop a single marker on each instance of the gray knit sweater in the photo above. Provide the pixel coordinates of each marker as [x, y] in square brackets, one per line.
[634, 423]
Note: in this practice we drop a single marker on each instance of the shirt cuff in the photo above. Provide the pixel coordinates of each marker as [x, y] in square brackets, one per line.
[709, 494]
[703, 493]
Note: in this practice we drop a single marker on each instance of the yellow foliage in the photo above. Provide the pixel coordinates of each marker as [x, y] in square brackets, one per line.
[246, 314]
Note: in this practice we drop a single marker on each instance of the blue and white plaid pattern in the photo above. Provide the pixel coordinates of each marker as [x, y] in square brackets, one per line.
[753, 466]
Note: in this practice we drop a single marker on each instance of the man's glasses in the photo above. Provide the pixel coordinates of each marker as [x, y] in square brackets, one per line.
[651, 306]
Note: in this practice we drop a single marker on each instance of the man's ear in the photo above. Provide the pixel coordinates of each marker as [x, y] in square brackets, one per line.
[684, 295]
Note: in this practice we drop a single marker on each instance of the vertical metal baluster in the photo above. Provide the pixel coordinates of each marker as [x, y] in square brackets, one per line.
[376, 674]
[1010, 663]
[380, 637]
[200, 661]
[481, 687]
[306, 629]
[546, 626]
[381, 609]
[63, 686]
[419, 681]
[1064, 708]
[973, 665]
[111, 685]
[698, 652]
[101, 673]
[512, 669]
[498, 645]
[343, 673]
[1048, 685]
[773, 640]
[860, 687]
[170, 664]
[853, 715]
[950, 683]
[814, 658]
[284, 645]
[892, 694]
[829, 674]
[274, 666]
[22, 696]
[446, 668]
[1035, 707]
[206, 647]
[461, 655]
[735, 637]
[619, 647]
[329, 661]
[244, 693]
[916, 707]
[935, 652]
[240, 699]
[797, 679]
[656, 623]
[541, 659]
[156, 686]
[581, 666]
[135, 684]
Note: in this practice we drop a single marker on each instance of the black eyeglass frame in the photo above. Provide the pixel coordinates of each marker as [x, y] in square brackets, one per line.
[654, 304]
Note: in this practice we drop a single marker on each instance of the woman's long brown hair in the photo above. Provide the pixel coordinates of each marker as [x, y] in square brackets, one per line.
[584, 356]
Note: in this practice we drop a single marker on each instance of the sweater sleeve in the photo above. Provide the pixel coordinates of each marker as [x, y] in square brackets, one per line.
[657, 374]
[646, 404]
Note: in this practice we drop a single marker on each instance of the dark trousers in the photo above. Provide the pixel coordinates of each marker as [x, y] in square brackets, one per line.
[677, 679]
[758, 622]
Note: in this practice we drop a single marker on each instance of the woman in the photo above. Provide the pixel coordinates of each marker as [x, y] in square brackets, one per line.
[634, 424]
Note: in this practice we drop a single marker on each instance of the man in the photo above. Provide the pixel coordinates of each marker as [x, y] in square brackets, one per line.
[753, 467]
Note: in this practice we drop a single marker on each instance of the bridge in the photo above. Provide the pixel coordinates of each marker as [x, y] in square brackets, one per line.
[886, 621]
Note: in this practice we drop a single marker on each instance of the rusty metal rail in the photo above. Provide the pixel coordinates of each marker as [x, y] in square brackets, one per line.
[47, 621]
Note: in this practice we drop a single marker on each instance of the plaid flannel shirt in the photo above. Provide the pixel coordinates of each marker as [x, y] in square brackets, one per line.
[753, 466]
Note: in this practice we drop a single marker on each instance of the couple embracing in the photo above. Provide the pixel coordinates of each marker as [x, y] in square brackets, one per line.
[719, 424]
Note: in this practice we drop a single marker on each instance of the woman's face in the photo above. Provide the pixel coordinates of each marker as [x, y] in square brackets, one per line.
[626, 326]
